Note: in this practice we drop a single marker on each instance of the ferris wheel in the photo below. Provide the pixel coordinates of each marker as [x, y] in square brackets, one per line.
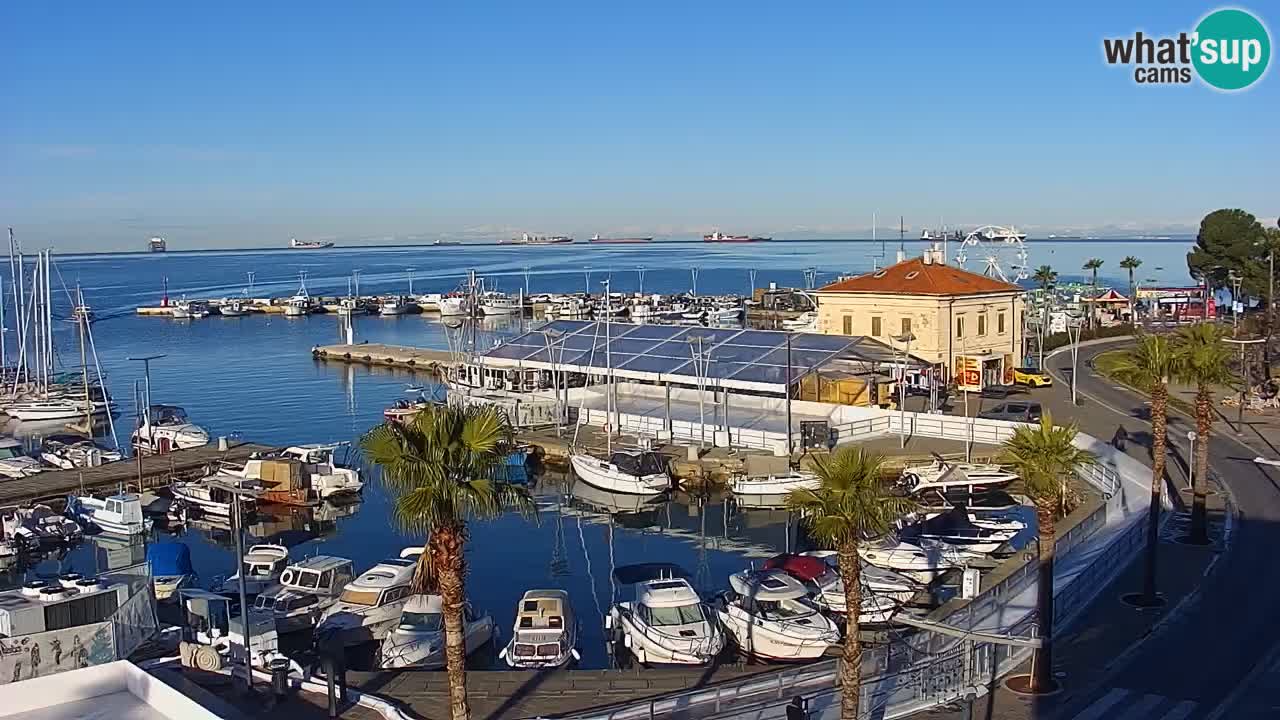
[1000, 251]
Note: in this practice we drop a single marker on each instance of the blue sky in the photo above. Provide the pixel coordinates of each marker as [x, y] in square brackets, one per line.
[241, 124]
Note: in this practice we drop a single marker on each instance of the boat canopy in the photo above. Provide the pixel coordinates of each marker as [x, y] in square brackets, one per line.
[805, 567]
[639, 463]
[169, 558]
[953, 522]
[767, 585]
[644, 572]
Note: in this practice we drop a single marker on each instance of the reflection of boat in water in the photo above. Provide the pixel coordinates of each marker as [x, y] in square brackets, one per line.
[612, 502]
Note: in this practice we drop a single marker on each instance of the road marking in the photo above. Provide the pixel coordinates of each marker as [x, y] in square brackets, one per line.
[1180, 711]
[1100, 706]
[1142, 707]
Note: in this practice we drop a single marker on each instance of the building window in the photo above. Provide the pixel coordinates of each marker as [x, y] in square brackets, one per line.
[982, 324]
[875, 327]
[848, 324]
[906, 326]
[960, 327]
[1000, 323]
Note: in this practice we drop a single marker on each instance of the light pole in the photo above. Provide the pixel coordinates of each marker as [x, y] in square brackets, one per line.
[906, 339]
[751, 291]
[586, 270]
[694, 271]
[1236, 282]
[640, 275]
[355, 273]
[701, 367]
[410, 273]
[1191, 474]
[146, 396]
[1073, 333]
[237, 519]
[526, 281]
[810, 277]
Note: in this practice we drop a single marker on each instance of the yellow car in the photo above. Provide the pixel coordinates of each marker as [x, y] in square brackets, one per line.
[1031, 377]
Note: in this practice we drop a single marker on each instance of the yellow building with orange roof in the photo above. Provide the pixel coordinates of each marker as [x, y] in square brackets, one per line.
[969, 325]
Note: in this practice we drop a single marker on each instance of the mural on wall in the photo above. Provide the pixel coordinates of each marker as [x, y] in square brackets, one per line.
[29, 656]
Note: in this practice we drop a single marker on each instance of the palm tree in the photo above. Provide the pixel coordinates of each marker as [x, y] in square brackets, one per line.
[1149, 367]
[1093, 265]
[1045, 457]
[1204, 360]
[443, 466]
[852, 501]
[1131, 263]
[1045, 277]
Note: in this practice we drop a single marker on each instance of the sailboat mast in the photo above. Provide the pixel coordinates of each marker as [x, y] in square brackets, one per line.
[83, 317]
[608, 364]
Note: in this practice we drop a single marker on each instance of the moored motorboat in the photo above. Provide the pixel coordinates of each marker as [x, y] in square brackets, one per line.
[417, 639]
[955, 528]
[945, 476]
[667, 622]
[261, 568]
[393, 305]
[73, 451]
[371, 604]
[921, 559]
[171, 570]
[307, 588]
[165, 428]
[545, 633]
[14, 461]
[770, 615]
[40, 526]
[876, 581]
[775, 484]
[115, 515]
[452, 305]
[633, 472]
[210, 497]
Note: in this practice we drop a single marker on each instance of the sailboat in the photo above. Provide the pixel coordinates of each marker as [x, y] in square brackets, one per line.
[630, 472]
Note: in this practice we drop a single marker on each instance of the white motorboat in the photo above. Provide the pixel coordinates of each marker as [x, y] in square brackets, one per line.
[73, 451]
[545, 633]
[233, 307]
[571, 307]
[300, 303]
[430, 302]
[956, 529]
[207, 495]
[185, 309]
[350, 306]
[318, 476]
[724, 314]
[39, 525]
[667, 622]
[165, 428]
[417, 640]
[14, 462]
[452, 305]
[775, 484]
[307, 588]
[945, 476]
[876, 581]
[807, 322]
[262, 567]
[995, 521]
[393, 305]
[920, 559]
[632, 472]
[371, 604]
[770, 615]
[497, 303]
[114, 515]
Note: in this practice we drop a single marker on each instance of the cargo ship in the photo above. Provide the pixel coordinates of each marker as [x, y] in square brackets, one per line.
[296, 244]
[157, 244]
[720, 237]
[619, 241]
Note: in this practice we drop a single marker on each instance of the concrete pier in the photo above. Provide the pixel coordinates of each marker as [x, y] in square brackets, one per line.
[388, 355]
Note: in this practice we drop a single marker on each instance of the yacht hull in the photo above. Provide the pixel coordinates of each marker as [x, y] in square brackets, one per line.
[607, 476]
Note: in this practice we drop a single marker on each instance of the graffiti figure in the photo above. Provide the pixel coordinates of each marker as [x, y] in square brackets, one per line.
[56, 646]
[35, 659]
[78, 653]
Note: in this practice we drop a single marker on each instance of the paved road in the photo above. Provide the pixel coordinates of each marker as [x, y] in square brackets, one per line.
[1217, 659]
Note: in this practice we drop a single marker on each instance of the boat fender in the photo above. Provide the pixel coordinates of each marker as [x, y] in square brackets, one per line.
[641, 656]
[626, 642]
[576, 655]
[608, 622]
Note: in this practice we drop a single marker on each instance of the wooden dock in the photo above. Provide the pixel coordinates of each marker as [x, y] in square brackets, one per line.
[157, 471]
[387, 355]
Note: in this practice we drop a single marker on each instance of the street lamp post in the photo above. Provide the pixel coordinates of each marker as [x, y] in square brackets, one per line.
[586, 270]
[410, 273]
[701, 366]
[906, 339]
[526, 281]
[1191, 474]
[694, 271]
[640, 273]
[751, 291]
[1073, 333]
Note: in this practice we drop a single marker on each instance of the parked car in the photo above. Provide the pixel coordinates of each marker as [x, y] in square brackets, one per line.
[1031, 377]
[1000, 392]
[1019, 411]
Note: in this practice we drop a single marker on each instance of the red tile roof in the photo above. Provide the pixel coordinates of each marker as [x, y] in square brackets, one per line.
[915, 277]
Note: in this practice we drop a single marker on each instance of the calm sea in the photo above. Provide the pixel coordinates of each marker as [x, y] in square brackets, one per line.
[254, 377]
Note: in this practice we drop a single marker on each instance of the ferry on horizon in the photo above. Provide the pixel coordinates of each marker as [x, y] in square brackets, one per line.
[619, 241]
[719, 237]
[296, 244]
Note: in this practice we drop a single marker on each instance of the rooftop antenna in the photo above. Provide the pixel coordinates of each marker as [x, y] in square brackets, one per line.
[902, 235]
